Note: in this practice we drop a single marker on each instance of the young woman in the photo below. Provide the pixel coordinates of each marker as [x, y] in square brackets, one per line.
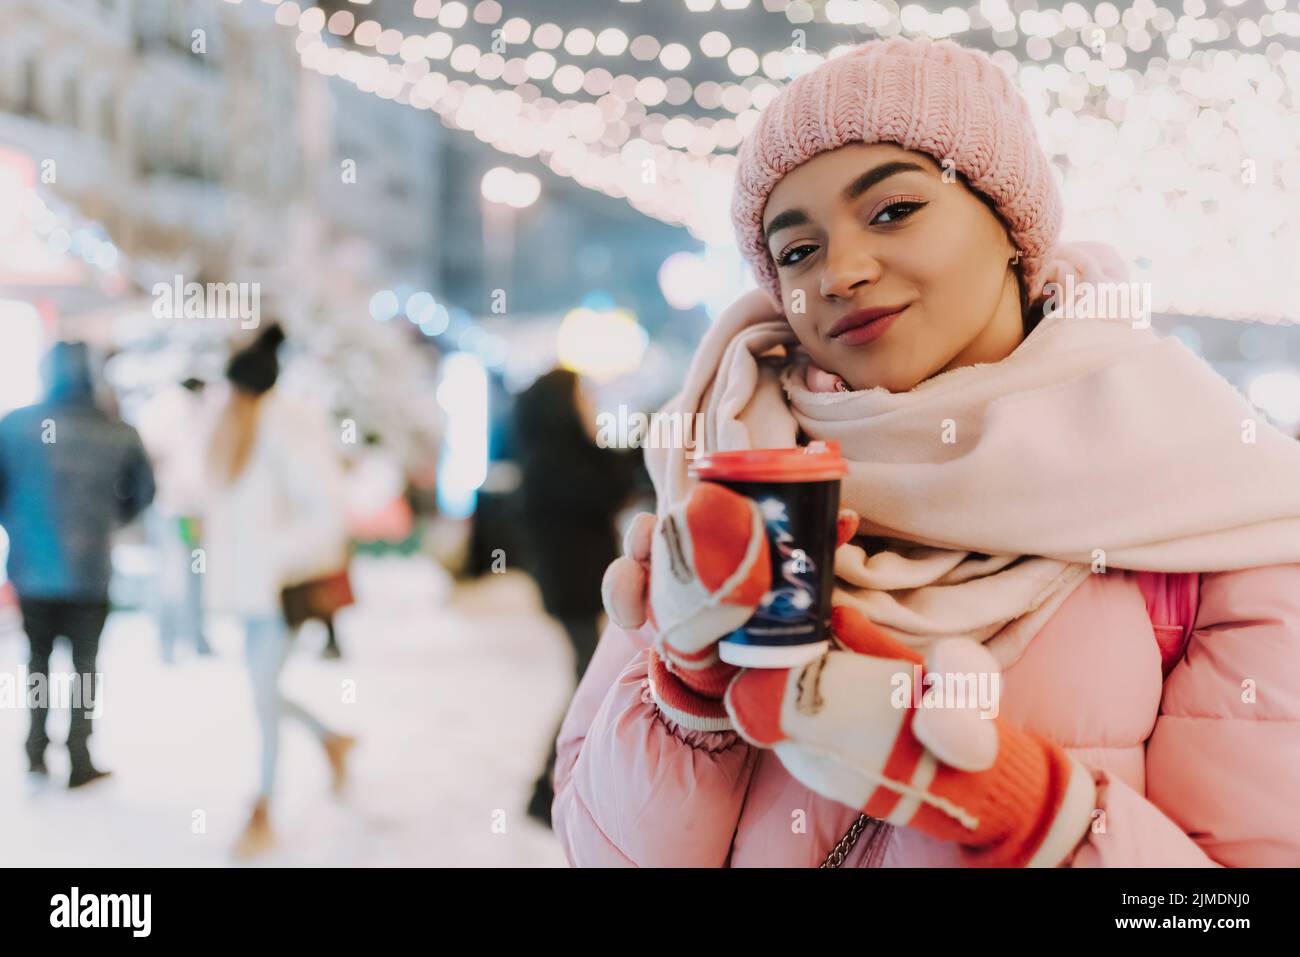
[1057, 498]
[268, 512]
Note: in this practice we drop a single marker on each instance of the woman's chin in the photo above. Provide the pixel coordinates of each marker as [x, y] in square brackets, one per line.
[880, 373]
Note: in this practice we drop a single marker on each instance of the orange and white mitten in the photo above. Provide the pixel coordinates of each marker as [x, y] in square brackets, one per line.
[709, 569]
[841, 727]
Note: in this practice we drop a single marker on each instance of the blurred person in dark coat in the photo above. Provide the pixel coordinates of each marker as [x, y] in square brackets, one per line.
[571, 489]
[70, 475]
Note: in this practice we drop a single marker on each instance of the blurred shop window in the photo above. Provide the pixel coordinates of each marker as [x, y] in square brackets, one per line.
[70, 101]
[20, 359]
[115, 15]
[108, 115]
[140, 143]
[150, 24]
[133, 129]
[397, 188]
[177, 13]
[183, 17]
[186, 153]
[27, 98]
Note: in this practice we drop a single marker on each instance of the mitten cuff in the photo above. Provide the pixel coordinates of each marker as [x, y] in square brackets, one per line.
[683, 705]
[1032, 806]
[1029, 810]
[704, 673]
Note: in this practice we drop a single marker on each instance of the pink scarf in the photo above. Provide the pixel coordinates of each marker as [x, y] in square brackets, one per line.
[988, 493]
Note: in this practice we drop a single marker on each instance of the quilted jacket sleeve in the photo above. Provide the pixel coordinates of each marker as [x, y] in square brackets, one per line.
[631, 787]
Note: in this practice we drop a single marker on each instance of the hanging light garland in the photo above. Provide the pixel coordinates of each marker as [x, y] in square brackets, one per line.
[1192, 162]
[701, 135]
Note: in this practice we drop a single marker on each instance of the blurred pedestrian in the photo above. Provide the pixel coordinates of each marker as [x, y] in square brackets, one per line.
[570, 491]
[267, 512]
[171, 426]
[70, 475]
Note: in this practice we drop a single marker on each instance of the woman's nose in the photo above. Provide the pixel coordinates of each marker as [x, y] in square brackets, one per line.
[847, 268]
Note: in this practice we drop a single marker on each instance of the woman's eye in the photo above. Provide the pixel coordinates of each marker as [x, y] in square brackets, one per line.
[897, 211]
[795, 254]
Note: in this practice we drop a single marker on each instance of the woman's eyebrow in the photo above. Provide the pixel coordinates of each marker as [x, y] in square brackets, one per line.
[797, 217]
[784, 219]
[873, 176]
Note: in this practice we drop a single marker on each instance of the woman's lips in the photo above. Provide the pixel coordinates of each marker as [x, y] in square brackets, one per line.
[862, 327]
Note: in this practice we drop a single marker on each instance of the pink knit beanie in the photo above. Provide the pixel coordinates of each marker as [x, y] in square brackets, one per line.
[933, 97]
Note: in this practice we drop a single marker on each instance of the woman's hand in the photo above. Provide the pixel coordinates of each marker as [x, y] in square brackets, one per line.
[624, 588]
[697, 576]
[847, 727]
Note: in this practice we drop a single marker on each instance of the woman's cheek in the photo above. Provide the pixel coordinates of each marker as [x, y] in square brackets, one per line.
[794, 300]
[804, 329]
[962, 265]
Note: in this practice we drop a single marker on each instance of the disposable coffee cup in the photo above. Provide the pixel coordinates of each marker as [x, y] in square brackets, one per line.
[798, 494]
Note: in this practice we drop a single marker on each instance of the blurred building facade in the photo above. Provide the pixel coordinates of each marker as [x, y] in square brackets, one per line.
[188, 130]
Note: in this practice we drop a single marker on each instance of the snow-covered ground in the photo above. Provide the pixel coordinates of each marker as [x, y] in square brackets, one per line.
[452, 693]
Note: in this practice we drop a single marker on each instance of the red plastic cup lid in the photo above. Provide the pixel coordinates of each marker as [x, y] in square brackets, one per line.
[816, 462]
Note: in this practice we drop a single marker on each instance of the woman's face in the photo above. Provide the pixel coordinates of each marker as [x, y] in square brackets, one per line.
[871, 226]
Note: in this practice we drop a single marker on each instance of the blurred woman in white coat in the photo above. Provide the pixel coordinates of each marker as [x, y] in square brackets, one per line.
[274, 509]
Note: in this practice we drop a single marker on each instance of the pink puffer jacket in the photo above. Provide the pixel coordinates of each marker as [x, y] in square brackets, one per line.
[1194, 741]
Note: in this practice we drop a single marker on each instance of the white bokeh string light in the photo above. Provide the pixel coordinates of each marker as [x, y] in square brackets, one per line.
[1174, 130]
